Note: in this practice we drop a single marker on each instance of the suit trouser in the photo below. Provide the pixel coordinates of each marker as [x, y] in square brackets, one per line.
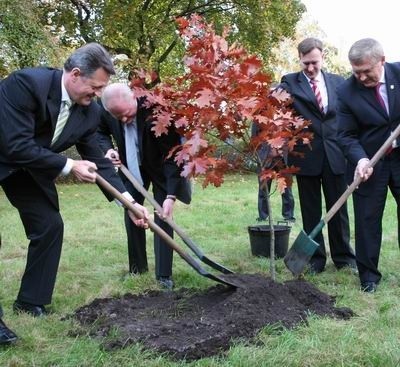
[287, 203]
[44, 228]
[137, 239]
[333, 186]
[368, 209]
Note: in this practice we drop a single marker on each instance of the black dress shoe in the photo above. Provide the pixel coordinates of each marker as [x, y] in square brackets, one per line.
[135, 270]
[6, 335]
[33, 310]
[166, 282]
[369, 287]
[314, 269]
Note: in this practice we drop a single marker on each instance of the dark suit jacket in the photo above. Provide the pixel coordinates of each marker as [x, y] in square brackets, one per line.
[30, 100]
[162, 171]
[363, 124]
[323, 126]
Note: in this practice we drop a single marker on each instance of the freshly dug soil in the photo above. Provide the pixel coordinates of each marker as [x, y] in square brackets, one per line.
[193, 325]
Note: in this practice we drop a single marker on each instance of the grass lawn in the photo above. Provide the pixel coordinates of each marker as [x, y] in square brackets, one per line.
[94, 264]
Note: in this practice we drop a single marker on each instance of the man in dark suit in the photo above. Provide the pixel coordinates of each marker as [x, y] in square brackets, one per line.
[153, 166]
[323, 164]
[368, 110]
[43, 112]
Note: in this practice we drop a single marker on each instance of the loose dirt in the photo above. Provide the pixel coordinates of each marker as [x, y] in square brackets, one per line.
[192, 325]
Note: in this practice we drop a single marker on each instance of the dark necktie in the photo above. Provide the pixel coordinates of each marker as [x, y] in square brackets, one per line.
[317, 93]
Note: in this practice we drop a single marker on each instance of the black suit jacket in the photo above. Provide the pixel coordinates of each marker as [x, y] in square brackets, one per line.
[323, 126]
[162, 171]
[30, 101]
[364, 125]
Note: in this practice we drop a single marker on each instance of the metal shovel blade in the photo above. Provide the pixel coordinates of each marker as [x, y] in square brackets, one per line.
[304, 246]
[181, 233]
[300, 253]
[164, 235]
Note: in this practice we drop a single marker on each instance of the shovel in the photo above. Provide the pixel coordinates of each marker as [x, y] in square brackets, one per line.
[157, 229]
[181, 233]
[304, 246]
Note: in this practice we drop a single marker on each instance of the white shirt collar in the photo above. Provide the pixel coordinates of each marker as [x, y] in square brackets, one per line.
[318, 78]
[382, 80]
[64, 94]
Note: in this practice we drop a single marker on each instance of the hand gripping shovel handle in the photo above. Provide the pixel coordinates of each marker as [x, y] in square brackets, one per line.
[374, 160]
[181, 233]
[157, 229]
[304, 246]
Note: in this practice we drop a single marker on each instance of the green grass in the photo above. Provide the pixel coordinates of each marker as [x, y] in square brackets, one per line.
[94, 264]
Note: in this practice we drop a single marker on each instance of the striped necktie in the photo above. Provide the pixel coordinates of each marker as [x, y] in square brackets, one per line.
[61, 120]
[317, 93]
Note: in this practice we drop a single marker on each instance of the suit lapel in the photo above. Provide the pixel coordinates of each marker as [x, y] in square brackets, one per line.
[331, 92]
[306, 88]
[392, 87]
[54, 99]
[368, 94]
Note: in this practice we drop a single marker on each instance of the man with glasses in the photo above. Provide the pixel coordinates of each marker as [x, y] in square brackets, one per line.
[43, 112]
[322, 164]
[368, 111]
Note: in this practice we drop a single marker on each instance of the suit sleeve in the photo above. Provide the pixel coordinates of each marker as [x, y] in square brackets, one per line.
[104, 133]
[89, 149]
[19, 108]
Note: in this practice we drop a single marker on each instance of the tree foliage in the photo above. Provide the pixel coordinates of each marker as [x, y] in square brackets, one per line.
[223, 91]
[145, 30]
[24, 41]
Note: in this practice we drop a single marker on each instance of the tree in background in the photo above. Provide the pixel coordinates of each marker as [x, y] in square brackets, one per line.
[24, 41]
[145, 30]
[288, 58]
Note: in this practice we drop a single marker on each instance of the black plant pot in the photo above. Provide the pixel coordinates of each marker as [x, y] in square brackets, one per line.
[260, 237]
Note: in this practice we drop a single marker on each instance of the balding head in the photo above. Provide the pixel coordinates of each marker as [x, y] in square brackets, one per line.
[120, 101]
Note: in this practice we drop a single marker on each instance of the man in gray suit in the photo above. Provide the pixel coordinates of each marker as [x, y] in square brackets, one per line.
[323, 164]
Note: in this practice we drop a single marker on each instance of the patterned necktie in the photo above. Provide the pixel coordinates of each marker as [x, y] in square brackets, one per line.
[61, 120]
[379, 97]
[317, 93]
[131, 144]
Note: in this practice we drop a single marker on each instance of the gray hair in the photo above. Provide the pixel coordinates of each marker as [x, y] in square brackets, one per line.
[90, 58]
[308, 44]
[116, 92]
[365, 49]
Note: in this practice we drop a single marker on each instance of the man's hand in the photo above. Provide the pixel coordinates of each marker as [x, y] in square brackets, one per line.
[362, 170]
[84, 171]
[140, 222]
[113, 156]
[168, 208]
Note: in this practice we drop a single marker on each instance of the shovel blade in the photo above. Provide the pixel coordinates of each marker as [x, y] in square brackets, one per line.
[299, 255]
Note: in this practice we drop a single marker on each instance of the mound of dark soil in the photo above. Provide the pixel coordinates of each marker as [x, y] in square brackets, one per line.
[194, 325]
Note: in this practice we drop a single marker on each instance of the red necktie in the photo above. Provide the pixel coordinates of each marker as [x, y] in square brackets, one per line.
[317, 93]
[379, 96]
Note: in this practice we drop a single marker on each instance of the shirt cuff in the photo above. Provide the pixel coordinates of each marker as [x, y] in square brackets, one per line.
[67, 168]
[127, 196]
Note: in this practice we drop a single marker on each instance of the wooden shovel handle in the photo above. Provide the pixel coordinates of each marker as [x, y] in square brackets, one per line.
[153, 226]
